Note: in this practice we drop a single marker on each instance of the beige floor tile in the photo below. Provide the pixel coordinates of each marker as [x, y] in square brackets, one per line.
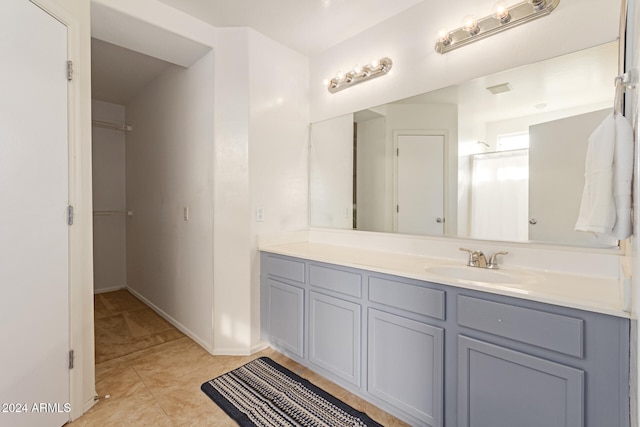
[119, 301]
[99, 308]
[145, 321]
[139, 409]
[154, 373]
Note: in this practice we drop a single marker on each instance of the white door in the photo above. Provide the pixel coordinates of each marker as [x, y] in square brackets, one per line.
[420, 184]
[34, 251]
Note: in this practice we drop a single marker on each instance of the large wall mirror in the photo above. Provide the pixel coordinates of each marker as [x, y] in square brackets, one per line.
[500, 157]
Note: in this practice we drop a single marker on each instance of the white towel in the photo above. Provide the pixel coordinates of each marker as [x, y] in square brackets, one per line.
[606, 199]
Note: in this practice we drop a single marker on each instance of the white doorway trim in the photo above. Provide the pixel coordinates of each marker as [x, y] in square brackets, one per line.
[80, 234]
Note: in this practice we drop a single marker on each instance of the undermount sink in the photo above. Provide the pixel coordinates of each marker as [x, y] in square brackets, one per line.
[476, 274]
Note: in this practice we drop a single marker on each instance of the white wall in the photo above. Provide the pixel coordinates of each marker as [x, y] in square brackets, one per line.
[232, 317]
[249, 74]
[169, 168]
[109, 231]
[278, 149]
[260, 161]
[409, 39]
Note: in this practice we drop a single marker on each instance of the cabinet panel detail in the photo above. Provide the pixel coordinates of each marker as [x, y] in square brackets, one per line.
[286, 268]
[343, 282]
[547, 330]
[286, 316]
[335, 336]
[406, 365]
[499, 387]
[416, 299]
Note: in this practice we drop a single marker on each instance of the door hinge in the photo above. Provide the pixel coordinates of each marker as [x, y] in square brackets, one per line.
[70, 215]
[70, 359]
[69, 70]
[397, 208]
[397, 152]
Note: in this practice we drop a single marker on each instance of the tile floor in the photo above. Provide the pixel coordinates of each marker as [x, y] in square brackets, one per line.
[153, 372]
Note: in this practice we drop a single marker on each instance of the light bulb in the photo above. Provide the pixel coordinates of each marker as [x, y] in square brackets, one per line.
[470, 25]
[500, 11]
[444, 37]
[538, 5]
[375, 64]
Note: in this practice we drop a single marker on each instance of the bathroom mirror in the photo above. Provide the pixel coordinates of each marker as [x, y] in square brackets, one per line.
[500, 157]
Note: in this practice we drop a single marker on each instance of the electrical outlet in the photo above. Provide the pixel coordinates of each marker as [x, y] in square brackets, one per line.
[260, 214]
[186, 213]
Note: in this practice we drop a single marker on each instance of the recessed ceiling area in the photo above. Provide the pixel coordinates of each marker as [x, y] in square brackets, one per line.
[118, 74]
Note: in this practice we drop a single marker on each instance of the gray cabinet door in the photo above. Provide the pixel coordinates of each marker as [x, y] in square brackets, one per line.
[335, 336]
[285, 316]
[498, 387]
[405, 365]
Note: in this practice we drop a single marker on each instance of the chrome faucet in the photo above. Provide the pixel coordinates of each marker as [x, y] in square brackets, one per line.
[493, 260]
[479, 260]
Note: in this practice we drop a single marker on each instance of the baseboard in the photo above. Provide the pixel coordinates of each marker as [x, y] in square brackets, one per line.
[240, 351]
[88, 405]
[104, 290]
[173, 321]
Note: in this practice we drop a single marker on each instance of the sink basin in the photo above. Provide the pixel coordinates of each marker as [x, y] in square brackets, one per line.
[476, 274]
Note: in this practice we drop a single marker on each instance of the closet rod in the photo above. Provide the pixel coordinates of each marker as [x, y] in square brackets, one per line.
[111, 125]
[112, 213]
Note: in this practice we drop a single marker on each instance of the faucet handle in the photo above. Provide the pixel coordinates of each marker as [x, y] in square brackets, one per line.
[493, 260]
[472, 259]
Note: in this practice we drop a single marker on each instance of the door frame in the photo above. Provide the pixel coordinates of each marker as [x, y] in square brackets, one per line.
[80, 233]
[445, 172]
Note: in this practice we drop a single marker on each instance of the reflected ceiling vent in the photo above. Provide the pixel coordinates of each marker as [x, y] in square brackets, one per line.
[501, 88]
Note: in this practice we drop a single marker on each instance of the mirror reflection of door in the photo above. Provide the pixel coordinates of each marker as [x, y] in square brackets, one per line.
[556, 172]
[420, 184]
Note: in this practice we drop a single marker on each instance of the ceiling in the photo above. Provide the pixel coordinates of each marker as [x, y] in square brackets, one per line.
[307, 26]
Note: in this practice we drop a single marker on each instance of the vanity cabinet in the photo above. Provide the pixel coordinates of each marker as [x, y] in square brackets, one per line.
[334, 336]
[405, 365]
[282, 299]
[500, 387]
[435, 355]
[285, 316]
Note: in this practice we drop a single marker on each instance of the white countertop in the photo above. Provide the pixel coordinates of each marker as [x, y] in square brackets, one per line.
[600, 295]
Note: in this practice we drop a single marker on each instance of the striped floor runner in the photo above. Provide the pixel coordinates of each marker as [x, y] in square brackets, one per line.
[263, 393]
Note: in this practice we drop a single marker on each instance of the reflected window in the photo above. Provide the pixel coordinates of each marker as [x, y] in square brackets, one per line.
[513, 141]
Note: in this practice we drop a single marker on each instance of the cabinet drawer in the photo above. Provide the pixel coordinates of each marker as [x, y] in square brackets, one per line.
[416, 299]
[285, 268]
[340, 281]
[551, 331]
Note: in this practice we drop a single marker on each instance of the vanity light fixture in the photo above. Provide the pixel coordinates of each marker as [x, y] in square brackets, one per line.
[359, 74]
[501, 18]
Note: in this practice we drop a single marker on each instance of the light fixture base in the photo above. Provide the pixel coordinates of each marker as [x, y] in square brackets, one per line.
[367, 72]
[520, 13]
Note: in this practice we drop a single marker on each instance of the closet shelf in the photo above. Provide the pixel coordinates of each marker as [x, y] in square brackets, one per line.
[111, 125]
[112, 213]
